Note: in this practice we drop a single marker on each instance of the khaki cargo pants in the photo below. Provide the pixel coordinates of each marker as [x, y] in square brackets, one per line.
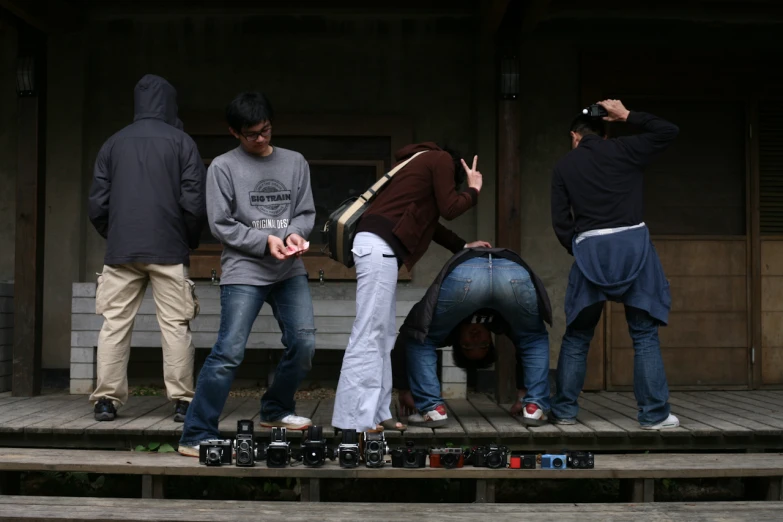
[118, 297]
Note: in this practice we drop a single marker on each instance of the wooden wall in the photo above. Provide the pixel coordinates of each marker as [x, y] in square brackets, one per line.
[6, 335]
[772, 311]
[706, 341]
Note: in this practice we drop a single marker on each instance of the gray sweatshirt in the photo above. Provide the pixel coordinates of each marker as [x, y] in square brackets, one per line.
[250, 197]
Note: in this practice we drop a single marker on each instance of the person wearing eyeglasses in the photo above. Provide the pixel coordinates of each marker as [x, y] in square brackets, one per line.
[260, 207]
[480, 291]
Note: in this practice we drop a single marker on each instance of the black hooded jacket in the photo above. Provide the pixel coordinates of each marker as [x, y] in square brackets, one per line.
[148, 191]
[417, 323]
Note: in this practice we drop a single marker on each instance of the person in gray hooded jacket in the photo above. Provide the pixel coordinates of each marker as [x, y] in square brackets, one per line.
[148, 201]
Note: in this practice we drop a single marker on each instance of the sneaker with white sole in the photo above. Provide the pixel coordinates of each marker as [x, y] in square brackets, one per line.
[289, 422]
[670, 422]
[532, 415]
[188, 450]
[436, 418]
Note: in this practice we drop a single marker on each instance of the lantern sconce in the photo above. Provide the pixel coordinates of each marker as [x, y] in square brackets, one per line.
[25, 76]
[509, 78]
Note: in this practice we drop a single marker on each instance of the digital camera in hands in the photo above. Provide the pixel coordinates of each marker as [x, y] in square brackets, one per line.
[448, 458]
[278, 452]
[409, 457]
[215, 452]
[348, 453]
[375, 448]
[595, 111]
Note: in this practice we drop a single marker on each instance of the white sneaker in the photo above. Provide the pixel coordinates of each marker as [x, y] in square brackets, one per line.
[436, 418]
[289, 422]
[670, 422]
[532, 415]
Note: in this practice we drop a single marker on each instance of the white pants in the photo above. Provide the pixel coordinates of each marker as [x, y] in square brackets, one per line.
[363, 397]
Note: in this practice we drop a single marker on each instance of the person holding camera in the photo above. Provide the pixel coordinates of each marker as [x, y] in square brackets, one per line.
[480, 291]
[260, 206]
[396, 229]
[597, 202]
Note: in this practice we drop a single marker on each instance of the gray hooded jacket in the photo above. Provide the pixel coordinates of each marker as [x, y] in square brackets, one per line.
[148, 191]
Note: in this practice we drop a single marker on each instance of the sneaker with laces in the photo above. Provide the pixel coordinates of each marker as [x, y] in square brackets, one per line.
[180, 410]
[436, 418]
[105, 410]
[289, 422]
[670, 422]
[532, 415]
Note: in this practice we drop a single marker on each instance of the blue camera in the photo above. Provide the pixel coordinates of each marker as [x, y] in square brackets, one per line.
[553, 461]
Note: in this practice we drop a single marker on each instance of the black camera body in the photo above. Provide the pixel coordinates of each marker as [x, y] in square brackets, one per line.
[216, 452]
[245, 445]
[595, 111]
[278, 452]
[580, 459]
[375, 448]
[520, 460]
[314, 449]
[490, 456]
[409, 457]
[348, 453]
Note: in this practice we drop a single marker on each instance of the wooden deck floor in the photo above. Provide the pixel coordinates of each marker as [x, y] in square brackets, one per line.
[607, 421]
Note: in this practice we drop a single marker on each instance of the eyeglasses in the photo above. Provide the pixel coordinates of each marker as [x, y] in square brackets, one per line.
[253, 136]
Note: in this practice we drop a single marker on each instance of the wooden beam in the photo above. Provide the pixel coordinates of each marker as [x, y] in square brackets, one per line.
[29, 242]
[508, 227]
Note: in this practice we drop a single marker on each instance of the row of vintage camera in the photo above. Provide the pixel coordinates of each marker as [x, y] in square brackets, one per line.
[371, 450]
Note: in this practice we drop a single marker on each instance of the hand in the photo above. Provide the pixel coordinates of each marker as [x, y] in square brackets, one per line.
[616, 110]
[407, 406]
[276, 247]
[479, 244]
[475, 180]
[298, 242]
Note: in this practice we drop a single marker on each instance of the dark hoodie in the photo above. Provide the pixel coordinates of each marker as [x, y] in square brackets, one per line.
[148, 191]
[406, 213]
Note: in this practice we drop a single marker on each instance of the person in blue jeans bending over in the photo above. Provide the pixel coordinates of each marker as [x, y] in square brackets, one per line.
[480, 291]
[597, 202]
[260, 207]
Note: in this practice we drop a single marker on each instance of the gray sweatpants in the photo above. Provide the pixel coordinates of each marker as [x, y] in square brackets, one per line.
[364, 391]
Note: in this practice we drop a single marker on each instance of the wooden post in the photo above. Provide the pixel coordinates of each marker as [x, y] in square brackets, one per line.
[29, 242]
[485, 491]
[311, 490]
[509, 228]
[152, 486]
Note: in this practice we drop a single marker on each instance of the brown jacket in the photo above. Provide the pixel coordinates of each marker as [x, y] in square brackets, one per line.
[405, 214]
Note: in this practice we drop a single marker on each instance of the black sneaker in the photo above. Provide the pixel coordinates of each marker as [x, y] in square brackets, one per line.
[105, 410]
[180, 410]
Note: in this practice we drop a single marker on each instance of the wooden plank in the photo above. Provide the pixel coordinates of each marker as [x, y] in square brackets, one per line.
[654, 465]
[322, 416]
[696, 428]
[705, 366]
[758, 411]
[630, 408]
[708, 293]
[689, 330]
[473, 423]
[322, 307]
[688, 409]
[49, 420]
[772, 294]
[702, 257]
[771, 326]
[505, 425]
[137, 407]
[770, 396]
[10, 421]
[742, 415]
[132, 510]
[616, 414]
[207, 340]
[772, 258]
[248, 409]
[167, 426]
[601, 428]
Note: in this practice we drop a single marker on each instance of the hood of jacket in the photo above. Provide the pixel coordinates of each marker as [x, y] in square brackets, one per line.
[409, 150]
[154, 97]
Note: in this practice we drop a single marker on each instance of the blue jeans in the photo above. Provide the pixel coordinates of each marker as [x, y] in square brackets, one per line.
[649, 377]
[484, 282]
[292, 306]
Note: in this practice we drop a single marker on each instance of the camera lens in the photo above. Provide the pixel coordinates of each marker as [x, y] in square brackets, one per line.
[558, 463]
[276, 458]
[449, 460]
[213, 454]
[374, 458]
[348, 456]
[373, 446]
[410, 458]
[493, 460]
